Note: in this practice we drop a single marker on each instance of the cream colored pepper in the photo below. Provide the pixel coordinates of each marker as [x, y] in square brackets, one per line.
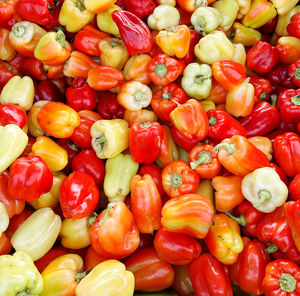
[284, 6]
[229, 10]
[4, 219]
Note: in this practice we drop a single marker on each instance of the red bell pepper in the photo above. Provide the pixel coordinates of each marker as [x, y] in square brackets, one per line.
[165, 100]
[80, 96]
[263, 119]
[279, 76]
[209, 277]
[190, 56]
[176, 248]
[288, 49]
[6, 72]
[222, 125]
[79, 195]
[292, 211]
[164, 69]
[262, 88]
[33, 68]
[294, 188]
[140, 8]
[12, 114]
[87, 162]
[155, 172]
[289, 105]
[262, 57]
[282, 278]
[270, 26]
[48, 91]
[280, 172]
[144, 141]
[134, 32]
[108, 106]
[287, 153]
[294, 72]
[293, 27]
[7, 12]
[184, 140]
[29, 177]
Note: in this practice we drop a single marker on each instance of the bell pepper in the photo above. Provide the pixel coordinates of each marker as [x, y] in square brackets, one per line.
[53, 49]
[145, 203]
[18, 91]
[294, 73]
[71, 149]
[109, 137]
[279, 75]
[286, 149]
[4, 220]
[262, 88]
[49, 91]
[96, 6]
[228, 192]
[7, 11]
[79, 195]
[209, 276]
[292, 211]
[176, 248]
[217, 93]
[189, 214]
[182, 284]
[289, 105]
[6, 73]
[141, 9]
[244, 35]
[264, 144]
[282, 277]
[194, 39]
[239, 156]
[19, 275]
[141, 137]
[113, 53]
[284, 20]
[214, 47]
[288, 49]
[228, 10]
[92, 259]
[54, 72]
[155, 172]
[119, 170]
[55, 157]
[136, 68]
[5, 245]
[163, 16]
[196, 80]
[294, 188]
[108, 106]
[163, 69]
[12, 114]
[105, 22]
[239, 55]
[7, 51]
[38, 233]
[150, 272]
[13, 143]
[115, 234]
[25, 36]
[134, 95]
[191, 5]
[184, 140]
[205, 188]
[51, 198]
[33, 125]
[104, 78]
[293, 26]
[283, 6]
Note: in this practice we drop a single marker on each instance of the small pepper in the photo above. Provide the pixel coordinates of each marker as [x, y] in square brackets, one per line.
[293, 26]
[288, 49]
[294, 188]
[289, 105]
[228, 10]
[294, 72]
[105, 22]
[284, 6]
[244, 35]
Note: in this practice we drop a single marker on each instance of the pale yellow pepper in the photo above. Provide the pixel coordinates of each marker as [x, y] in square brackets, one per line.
[239, 53]
[208, 105]
[264, 144]
[283, 21]
[244, 35]
[4, 219]
[244, 7]
[206, 189]
[284, 6]
[105, 22]
[229, 10]
[33, 125]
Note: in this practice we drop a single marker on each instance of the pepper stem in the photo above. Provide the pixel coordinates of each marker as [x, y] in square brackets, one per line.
[240, 220]
[271, 249]
[198, 3]
[107, 211]
[80, 5]
[176, 180]
[101, 141]
[287, 282]
[166, 96]
[161, 70]
[138, 96]
[263, 196]
[61, 38]
[145, 124]
[204, 157]
[81, 274]
[297, 73]
[25, 292]
[200, 78]
[212, 121]
[296, 100]
[200, 26]
[19, 31]
[263, 95]
[114, 43]
[172, 29]
[274, 99]
[229, 147]
[92, 219]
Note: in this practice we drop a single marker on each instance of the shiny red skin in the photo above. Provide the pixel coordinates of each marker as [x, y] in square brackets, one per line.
[108, 106]
[12, 114]
[155, 172]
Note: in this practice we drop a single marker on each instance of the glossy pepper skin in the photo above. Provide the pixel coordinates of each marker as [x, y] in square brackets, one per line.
[262, 88]
[79, 195]
[12, 114]
[279, 75]
[184, 140]
[289, 105]
[108, 106]
[294, 188]
[294, 25]
[141, 9]
[155, 172]
[29, 177]
[294, 73]
[209, 277]
[134, 32]
[288, 49]
[263, 118]
[286, 150]
[292, 210]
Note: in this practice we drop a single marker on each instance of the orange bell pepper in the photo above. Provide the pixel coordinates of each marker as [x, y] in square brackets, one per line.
[288, 49]
[217, 93]
[174, 41]
[54, 72]
[95, 6]
[79, 65]
[58, 120]
[192, 5]
[7, 52]
[24, 37]
[53, 49]
[5, 244]
[228, 192]
[264, 144]
[139, 116]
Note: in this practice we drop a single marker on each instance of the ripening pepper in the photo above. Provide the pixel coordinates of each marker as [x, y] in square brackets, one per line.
[288, 49]
[293, 26]
[7, 51]
[18, 91]
[109, 137]
[119, 171]
[19, 276]
[228, 10]
[264, 144]
[191, 5]
[244, 35]
[284, 6]
[185, 141]
[105, 22]
[285, 20]
[262, 88]
[139, 116]
[98, 6]
[38, 233]
[6, 73]
[155, 172]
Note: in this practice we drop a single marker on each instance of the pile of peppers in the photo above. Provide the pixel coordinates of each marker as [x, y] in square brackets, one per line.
[149, 147]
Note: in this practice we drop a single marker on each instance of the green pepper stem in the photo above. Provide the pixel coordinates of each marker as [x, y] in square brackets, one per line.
[73, 146]
[161, 70]
[19, 31]
[204, 157]
[81, 274]
[80, 5]
[61, 38]
[229, 147]
[212, 121]
[297, 73]
[296, 100]
[101, 141]
[114, 43]
[263, 95]
[287, 282]
[263, 196]
[172, 29]
[92, 219]
[145, 124]
[25, 292]
[138, 96]
[198, 3]
[200, 78]
[274, 99]
[107, 212]
[271, 249]
[176, 180]
[166, 96]
[240, 220]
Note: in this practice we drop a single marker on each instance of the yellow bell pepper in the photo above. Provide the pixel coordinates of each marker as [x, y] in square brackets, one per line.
[51, 198]
[38, 233]
[139, 116]
[74, 15]
[239, 53]
[229, 10]
[196, 80]
[264, 189]
[74, 233]
[105, 22]
[206, 189]
[62, 275]
[244, 7]
[283, 21]
[12, 144]
[244, 35]
[7, 51]
[208, 105]
[96, 6]
[4, 219]
[19, 276]
[166, 2]
[109, 278]
[33, 125]
[214, 47]
[119, 171]
[55, 157]
[19, 91]
[264, 144]
[113, 53]
[284, 6]
[183, 155]
[109, 137]
[163, 16]
[261, 11]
